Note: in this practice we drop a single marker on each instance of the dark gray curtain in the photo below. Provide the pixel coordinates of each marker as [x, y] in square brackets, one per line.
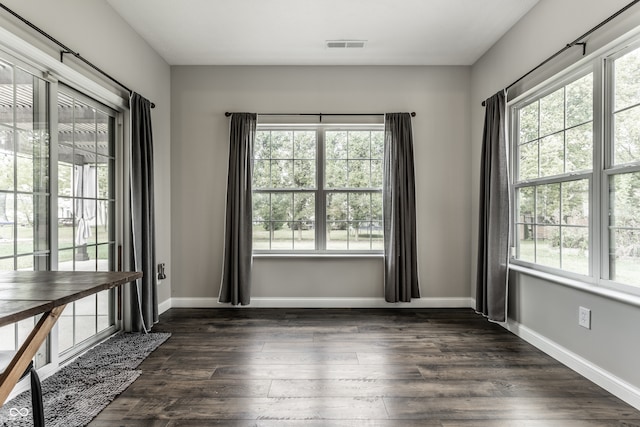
[236, 270]
[399, 210]
[144, 297]
[493, 233]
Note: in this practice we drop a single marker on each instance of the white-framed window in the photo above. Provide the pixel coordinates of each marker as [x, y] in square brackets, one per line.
[318, 189]
[576, 173]
[553, 173]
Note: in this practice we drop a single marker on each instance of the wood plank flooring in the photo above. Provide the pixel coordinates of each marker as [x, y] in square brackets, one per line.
[358, 367]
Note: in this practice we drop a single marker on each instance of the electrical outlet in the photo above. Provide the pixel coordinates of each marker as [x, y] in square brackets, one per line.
[161, 273]
[584, 317]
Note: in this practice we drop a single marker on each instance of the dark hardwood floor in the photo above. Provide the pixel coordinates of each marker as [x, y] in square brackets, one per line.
[360, 367]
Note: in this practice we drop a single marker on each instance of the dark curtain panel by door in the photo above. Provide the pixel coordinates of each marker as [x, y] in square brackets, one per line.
[144, 296]
[399, 211]
[493, 233]
[236, 269]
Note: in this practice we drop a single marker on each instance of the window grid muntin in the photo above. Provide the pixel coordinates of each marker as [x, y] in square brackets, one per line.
[292, 220]
[613, 227]
[38, 129]
[610, 107]
[81, 125]
[561, 178]
[535, 99]
[373, 222]
[327, 190]
[271, 189]
[349, 158]
[560, 224]
[270, 160]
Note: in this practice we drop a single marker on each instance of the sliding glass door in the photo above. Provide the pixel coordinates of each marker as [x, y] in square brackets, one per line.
[85, 211]
[57, 198]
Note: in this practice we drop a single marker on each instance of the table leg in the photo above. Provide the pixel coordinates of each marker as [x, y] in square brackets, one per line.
[27, 351]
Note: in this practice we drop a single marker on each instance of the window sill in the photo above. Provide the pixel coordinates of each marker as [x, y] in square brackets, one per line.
[579, 285]
[342, 255]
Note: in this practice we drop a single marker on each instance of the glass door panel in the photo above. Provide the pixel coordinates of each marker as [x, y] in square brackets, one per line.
[24, 186]
[86, 205]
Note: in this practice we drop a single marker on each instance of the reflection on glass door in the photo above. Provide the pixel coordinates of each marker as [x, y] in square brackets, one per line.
[86, 203]
[24, 185]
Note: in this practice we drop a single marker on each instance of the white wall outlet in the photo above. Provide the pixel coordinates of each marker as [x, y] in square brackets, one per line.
[584, 317]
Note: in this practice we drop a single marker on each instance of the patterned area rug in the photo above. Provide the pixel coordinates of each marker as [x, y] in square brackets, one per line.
[78, 392]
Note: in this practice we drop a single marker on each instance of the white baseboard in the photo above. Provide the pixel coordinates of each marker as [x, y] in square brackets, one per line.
[271, 302]
[614, 385]
[164, 306]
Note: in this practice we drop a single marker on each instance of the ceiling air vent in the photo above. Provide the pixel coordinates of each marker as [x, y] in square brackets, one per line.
[344, 44]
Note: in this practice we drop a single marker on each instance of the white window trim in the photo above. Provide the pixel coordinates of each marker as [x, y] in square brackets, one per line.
[610, 293]
[320, 193]
[328, 255]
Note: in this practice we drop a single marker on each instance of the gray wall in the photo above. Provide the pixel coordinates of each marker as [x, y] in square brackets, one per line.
[199, 155]
[546, 308]
[100, 35]
[447, 134]
[612, 343]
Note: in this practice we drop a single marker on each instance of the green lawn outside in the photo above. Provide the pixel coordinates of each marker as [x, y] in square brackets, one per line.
[627, 270]
[66, 238]
[287, 239]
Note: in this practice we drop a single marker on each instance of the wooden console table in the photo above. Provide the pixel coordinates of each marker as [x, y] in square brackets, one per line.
[24, 294]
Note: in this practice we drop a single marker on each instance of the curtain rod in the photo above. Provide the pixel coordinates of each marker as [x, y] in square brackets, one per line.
[66, 50]
[576, 42]
[413, 114]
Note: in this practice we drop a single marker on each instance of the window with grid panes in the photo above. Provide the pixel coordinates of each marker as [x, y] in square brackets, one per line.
[318, 189]
[576, 173]
[554, 150]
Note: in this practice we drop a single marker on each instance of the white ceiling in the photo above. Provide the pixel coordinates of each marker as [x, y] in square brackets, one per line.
[294, 32]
